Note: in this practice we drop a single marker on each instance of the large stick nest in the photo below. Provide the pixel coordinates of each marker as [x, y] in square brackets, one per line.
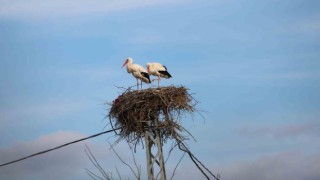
[153, 109]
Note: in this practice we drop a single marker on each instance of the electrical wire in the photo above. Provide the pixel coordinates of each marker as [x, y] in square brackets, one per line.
[58, 147]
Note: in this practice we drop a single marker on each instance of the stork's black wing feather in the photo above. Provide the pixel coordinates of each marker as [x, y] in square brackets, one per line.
[146, 75]
[165, 74]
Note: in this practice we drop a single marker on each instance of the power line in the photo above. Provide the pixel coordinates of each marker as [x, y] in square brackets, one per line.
[58, 147]
[184, 148]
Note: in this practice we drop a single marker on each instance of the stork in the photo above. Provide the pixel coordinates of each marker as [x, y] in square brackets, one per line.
[137, 71]
[157, 69]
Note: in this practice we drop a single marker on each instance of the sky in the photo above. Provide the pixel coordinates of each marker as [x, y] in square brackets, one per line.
[254, 67]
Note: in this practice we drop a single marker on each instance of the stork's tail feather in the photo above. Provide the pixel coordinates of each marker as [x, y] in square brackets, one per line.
[165, 74]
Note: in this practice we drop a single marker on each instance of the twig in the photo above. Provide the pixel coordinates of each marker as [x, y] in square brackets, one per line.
[174, 171]
[173, 145]
[95, 162]
[135, 163]
[118, 173]
[93, 175]
[124, 162]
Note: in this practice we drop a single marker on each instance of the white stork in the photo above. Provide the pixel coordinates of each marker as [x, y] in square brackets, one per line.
[157, 69]
[137, 71]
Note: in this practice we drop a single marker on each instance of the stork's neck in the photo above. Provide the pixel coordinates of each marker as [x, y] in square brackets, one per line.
[129, 66]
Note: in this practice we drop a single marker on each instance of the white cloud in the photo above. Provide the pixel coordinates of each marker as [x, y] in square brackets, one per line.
[59, 8]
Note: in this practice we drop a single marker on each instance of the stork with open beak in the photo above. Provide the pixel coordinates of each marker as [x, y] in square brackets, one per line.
[157, 69]
[137, 71]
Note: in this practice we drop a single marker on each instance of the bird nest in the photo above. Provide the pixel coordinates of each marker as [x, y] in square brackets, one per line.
[136, 112]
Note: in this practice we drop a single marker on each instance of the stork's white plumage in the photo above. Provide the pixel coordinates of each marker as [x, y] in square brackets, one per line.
[157, 69]
[137, 71]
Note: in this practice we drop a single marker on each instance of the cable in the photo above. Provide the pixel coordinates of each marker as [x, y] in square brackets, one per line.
[58, 147]
[194, 159]
[183, 148]
[190, 155]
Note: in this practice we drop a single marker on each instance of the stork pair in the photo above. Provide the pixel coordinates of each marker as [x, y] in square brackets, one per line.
[139, 72]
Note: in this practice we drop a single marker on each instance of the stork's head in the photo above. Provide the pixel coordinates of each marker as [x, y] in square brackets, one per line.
[128, 60]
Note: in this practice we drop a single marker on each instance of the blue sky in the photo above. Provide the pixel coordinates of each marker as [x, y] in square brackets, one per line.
[253, 65]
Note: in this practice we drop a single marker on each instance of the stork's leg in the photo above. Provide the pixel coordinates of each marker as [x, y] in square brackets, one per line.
[158, 81]
[137, 83]
[141, 84]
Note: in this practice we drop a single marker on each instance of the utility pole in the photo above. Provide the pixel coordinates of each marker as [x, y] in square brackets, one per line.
[151, 114]
[153, 137]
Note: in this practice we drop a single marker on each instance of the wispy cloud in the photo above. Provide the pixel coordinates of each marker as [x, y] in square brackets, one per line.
[257, 71]
[310, 128]
[146, 39]
[310, 26]
[41, 112]
[293, 165]
[281, 76]
[97, 73]
[66, 163]
[59, 8]
[61, 163]
[286, 165]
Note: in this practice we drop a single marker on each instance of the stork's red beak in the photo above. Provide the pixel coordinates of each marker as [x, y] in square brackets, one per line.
[148, 69]
[125, 63]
